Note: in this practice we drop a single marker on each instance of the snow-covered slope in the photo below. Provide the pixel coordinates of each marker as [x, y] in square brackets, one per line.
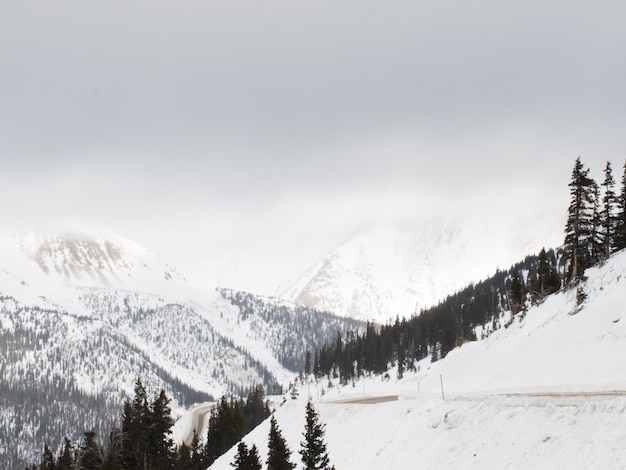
[387, 271]
[83, 313]
[549, 391]
[92, 257]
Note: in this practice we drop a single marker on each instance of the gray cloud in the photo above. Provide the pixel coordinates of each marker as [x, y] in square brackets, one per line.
[217, 115]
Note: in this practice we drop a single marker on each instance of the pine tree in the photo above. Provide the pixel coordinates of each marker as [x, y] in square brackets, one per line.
[313, 448]
[47, 462]
[66, 459]
[241, 457]
[596, 243]
[317, 370]
[226, 427]
[516, 294]
[160, 422]
[254, 461]
[620, 229]
[246, 459]
[256, 409]
[113, 455]
[401, 358]
[278, 452]
[307, 364]
[580, 223]
[195, 450]
[608, 219]
[547, 279]
[128, 436]
[89, 453]
[136, 429]
[183, 457]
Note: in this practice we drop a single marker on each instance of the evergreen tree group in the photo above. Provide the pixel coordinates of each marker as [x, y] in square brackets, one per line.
[436, 331]
[231, 419]
[143, 441]
[595, 229]
[313, 448]
[246, 459]
[596, 220]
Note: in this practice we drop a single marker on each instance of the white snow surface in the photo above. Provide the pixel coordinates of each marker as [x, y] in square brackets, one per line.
[389, 270]
[549, 391]
[93, 272]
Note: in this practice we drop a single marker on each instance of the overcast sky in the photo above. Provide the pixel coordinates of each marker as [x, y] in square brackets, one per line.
[202, 128]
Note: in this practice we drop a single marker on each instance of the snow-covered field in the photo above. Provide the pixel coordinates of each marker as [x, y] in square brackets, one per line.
[549, 391]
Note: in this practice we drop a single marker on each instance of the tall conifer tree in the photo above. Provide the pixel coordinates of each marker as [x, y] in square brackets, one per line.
[580, 223]
[608, 219]
[620, 230]
[66, 459]
[48, 462]
[90, 454]
[246, 459]
[313, 448]
[278, 453]
[160, 443]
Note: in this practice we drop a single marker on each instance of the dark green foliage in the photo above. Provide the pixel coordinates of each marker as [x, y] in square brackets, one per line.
[136, 428]
[581, 223]
[233, 418]
[89, 453]
[278, 453]
[593, 222]
[66, 459]
[48, 462]
[195, 450]
[298, 329]
[313, 448]
[547, 279]
[608, 218]
[254, 461]
[241, 457]
[183, 457]
[517, 294]
[440, 329]
[307, 364]
[225, 427]
[620, 221]
[113, 454]
[246, 459]
[142, 440]
[160, 422]
[190, 457]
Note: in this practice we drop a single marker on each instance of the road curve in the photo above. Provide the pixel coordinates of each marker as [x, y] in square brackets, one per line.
[198, 421]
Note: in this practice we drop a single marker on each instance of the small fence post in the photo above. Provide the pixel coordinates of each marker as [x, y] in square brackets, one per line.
[441, 380]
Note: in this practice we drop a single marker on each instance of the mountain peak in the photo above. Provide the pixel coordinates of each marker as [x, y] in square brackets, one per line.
[92, 256]
[386, 271]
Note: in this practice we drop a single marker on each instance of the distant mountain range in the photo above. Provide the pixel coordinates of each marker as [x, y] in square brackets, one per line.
[388, 271]
[84, 312]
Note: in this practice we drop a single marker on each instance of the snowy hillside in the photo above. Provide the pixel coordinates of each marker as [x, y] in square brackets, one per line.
[84, 313]
[92, 256]
[549, 391]
[387, 271]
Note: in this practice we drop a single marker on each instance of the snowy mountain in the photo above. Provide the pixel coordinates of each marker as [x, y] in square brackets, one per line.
[387, 271]
[83, 313]
[548, 391]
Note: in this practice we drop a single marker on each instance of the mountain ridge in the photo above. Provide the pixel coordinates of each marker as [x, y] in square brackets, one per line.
[547, 391]
[386, 271]
[74, 334]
